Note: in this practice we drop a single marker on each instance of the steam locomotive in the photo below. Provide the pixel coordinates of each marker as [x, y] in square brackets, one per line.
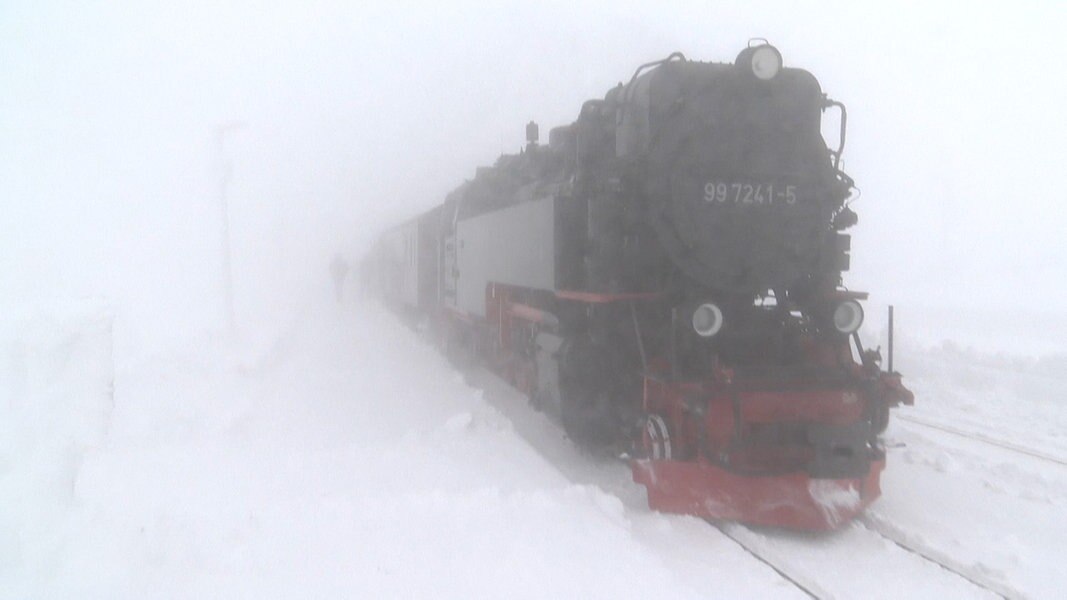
[665, 276]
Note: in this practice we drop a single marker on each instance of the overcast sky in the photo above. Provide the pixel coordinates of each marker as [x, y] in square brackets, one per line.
[360, 114]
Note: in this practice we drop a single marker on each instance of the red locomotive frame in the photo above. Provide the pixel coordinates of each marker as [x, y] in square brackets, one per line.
[682, 452]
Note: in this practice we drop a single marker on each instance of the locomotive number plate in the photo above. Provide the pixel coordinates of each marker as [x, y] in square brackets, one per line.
[749, 193]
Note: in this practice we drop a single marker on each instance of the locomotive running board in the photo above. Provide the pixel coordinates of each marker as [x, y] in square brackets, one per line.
[598, 298]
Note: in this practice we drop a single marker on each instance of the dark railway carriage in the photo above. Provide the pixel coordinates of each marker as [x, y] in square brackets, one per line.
[665, 276]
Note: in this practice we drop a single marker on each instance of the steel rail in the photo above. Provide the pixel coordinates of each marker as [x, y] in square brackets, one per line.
[979, 437]
[807, 589]
[896, 538]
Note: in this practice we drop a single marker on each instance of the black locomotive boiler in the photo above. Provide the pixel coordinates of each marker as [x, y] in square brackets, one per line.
[666, 274]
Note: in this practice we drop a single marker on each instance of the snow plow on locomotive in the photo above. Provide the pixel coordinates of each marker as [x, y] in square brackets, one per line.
[665, 275]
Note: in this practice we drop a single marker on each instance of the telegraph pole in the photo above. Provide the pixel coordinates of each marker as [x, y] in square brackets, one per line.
[225, 173]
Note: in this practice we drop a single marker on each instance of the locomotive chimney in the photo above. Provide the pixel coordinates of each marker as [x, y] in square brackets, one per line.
[531, 135]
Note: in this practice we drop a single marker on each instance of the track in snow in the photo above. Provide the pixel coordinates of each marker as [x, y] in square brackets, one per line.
[974, 576]
[941, 572]
[978, 437]
[538, 431]
[805, 588]
[815, 587]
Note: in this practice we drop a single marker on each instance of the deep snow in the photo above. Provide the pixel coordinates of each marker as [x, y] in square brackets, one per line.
[347, 458]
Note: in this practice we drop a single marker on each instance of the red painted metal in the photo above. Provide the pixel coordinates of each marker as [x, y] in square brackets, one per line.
[529, 313]
[598, 298]
[794, 500]
[697, 421]
[894, 391]
[708, 474]
[838, 407]
[707, 412]
[508, 325]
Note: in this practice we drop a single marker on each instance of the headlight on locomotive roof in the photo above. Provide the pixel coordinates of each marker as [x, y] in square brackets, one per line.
[766, 62]
[707, 320]
[848, 316]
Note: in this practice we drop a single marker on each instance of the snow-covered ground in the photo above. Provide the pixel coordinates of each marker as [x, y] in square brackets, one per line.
[347, 458]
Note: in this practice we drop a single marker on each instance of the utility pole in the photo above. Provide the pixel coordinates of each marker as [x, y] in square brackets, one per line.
[225, 173]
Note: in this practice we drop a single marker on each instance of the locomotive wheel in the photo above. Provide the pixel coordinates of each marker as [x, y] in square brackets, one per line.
[656, 439]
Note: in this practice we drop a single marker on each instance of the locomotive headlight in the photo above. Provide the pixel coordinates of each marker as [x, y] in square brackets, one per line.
[848, 316]
[707, 320]
[766, 62]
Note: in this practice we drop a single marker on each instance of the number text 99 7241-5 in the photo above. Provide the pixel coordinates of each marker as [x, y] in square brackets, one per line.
[749, 193]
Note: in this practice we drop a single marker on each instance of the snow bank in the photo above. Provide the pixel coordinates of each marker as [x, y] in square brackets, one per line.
[347, 459]
[55, 403]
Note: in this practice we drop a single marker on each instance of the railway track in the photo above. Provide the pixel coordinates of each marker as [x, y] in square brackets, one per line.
[974, 578]
[978, 437]
[977, 577]
[809, 588]
[884, 542]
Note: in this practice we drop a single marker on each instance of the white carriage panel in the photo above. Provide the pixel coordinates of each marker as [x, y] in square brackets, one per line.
[514, 245]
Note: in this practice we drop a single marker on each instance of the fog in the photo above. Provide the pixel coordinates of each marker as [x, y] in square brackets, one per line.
[325, 450]
[359, 115]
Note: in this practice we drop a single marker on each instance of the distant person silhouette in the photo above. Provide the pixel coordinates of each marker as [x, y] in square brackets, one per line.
[339, 270]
